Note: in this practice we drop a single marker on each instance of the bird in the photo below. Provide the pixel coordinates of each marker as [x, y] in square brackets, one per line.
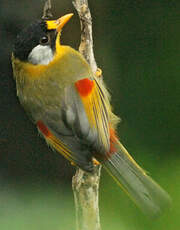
[70, 106]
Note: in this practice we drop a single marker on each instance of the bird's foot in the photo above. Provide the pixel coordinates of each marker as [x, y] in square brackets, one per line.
[98, 73]
[95, 162]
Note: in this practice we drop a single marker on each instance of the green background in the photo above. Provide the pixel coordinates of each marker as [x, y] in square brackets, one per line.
[137, 45]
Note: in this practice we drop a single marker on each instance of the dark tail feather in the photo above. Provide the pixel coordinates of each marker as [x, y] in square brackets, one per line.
[145, 192]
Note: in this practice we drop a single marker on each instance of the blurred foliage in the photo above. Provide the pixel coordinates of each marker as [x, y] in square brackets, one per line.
[136, 44]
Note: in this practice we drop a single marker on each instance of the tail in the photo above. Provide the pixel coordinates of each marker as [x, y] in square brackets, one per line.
[145, 192]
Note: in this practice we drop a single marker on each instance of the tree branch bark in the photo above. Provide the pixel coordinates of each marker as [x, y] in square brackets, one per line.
[86, 45]
[86, 185]
[47, 14]
[86, 197]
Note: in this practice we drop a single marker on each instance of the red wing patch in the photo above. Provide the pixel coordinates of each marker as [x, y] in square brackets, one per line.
[56, 143]
[84, 86]
[96, 109]
[113, 141]
[44, 130]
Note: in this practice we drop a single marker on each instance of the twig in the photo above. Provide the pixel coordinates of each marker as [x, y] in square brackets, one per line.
[85, 185]
[86, 46]
[47, 14]
[86, 197]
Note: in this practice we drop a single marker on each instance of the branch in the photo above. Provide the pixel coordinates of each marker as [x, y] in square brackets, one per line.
[47, 14]
[86, 185]
[86, 197]
[86, 46]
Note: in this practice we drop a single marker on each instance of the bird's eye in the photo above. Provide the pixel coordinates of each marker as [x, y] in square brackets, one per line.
[44, 40]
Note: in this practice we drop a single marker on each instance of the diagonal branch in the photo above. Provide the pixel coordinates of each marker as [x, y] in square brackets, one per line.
[86, 185]
[47, 14]
[86, 197]
[86, 46]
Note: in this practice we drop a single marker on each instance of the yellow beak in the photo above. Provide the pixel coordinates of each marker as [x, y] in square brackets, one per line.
[59, 23]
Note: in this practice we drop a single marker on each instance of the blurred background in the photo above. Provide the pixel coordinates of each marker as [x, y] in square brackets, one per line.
[137, 45]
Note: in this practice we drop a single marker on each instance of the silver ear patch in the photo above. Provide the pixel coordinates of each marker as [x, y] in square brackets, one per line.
[41, 55]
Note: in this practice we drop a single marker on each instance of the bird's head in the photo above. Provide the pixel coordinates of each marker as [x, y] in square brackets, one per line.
[40, 41]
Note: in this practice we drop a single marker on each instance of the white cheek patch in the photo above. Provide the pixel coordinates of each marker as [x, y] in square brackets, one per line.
[41, 55]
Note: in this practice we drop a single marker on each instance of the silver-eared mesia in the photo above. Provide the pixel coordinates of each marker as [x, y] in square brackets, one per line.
[71, 109]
